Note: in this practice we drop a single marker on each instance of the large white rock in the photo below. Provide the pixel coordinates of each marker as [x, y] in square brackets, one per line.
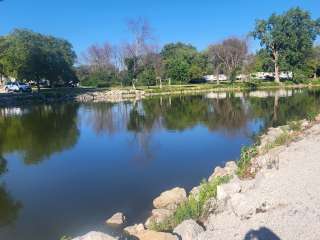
[188, 230]
[158, 216]
[95, 236]
[141, 233]
[243, 206]
[116, 219]
[225, 191]
[229, 170]
[170, 199]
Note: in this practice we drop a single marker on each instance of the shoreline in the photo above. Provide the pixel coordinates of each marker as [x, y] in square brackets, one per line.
[114, 95]
[240, 198]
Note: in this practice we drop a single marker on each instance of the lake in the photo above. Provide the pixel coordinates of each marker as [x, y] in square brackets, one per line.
[64, 169]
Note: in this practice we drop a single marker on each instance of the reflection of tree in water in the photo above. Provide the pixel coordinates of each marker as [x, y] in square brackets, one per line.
[144, 118]
[275, 111]
[107, 118]
[41, 132]
[9, 208]
[3, 165]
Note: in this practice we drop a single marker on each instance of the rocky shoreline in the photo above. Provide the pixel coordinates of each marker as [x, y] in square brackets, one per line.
[257, 202]
[114, 95]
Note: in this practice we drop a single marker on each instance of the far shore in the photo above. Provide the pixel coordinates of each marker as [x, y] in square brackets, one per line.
[119, 94]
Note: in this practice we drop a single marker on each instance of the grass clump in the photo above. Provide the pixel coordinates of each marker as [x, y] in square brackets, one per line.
[244, 163]
[65, 238]
[193, 208]
[311, 116]
[295, 125]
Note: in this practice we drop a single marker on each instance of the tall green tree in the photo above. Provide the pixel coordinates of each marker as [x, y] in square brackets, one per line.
[30, 56]
[182, 62]
[288, 37]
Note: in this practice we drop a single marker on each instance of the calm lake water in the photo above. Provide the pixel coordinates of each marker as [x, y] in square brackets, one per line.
[64, 169]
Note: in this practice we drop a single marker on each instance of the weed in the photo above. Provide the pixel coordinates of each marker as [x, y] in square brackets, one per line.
[193, 207]
[244, 163]
[295, 125]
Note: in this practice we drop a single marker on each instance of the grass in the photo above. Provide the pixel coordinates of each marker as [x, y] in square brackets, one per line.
[65, 238]
[244, 163]
[193, 208]
[295, 125]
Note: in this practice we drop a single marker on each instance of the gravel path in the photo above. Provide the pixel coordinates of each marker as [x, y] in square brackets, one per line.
[289, 199]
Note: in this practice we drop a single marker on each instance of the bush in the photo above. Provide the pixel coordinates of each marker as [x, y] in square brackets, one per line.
[311, 116]
[244, 163]
[193, 208]
[295, 125]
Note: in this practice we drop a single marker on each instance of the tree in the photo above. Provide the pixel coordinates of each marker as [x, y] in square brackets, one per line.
[288, 37]
[313, 61]
[230, 55]
[30, 56]
[182, 62]
[138, 48]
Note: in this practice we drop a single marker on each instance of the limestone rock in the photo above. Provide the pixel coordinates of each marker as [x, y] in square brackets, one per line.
[195, 192]
[142, 234]
[225, 191]
[116, 219]
[170, 199]
[243, 206]
[95, 236]
[229, 169]
[158, 216]
[135, 229]
[188, 230]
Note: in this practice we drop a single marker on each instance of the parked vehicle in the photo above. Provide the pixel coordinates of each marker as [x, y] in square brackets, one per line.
[17, 87]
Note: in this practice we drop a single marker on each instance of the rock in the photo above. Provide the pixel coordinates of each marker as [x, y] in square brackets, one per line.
[142, 234]
[158, 216]
[95, 236]
[225, 191]
[195, 192]
[243, 206]
[135, 229]
[229, 170]
[116, 219]
[218, 172]
[188, 230]
[170, 199]
[270, 136]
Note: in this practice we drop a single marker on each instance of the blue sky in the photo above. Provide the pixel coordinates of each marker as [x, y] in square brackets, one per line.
[95, 21]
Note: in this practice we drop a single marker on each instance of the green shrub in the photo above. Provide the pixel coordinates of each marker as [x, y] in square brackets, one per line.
[192, 208]
[295, 125]
[65, 238]
[244, 163]
[311, 116]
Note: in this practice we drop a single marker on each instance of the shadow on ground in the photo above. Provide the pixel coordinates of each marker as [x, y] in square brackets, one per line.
[261, 234]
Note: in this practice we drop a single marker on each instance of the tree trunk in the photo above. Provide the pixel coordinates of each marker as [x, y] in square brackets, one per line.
[275, 108]
[276, 68]
[133, 84]
[160, 83]
[38, 86]
[315, 75]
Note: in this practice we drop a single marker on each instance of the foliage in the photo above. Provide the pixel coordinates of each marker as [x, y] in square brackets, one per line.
[295, 125]
[30, 56]
[65, 238]
[287, 38]
[193, 208]
[244, 163]
[182, 62]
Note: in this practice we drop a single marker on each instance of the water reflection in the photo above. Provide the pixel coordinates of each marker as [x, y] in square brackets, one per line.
[9, 208]
[39, 132]
[107, 157]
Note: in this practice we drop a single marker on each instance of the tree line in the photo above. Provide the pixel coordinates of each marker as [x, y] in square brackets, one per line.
[287, 44]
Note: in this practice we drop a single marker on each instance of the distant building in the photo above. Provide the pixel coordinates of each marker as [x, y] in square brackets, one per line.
[215, 78]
